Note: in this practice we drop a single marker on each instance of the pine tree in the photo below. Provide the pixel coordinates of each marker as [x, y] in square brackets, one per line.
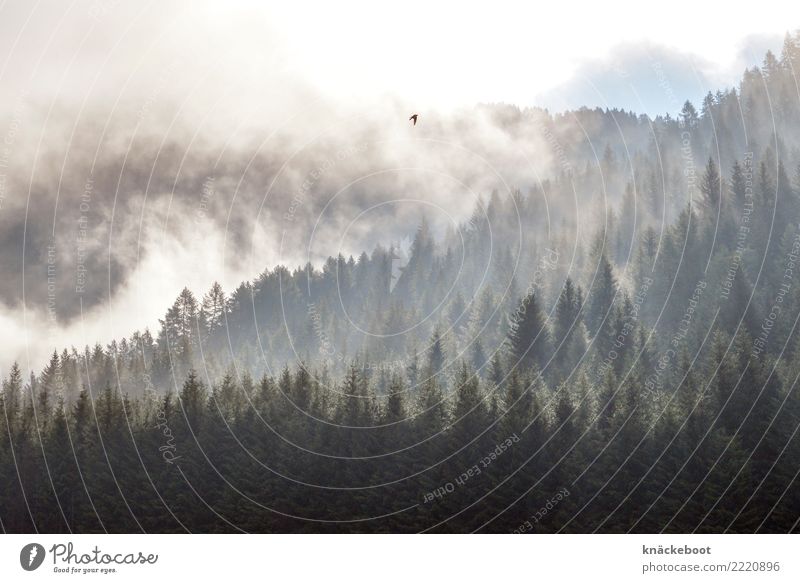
[478, 357]
[436, 355]
[395, 409]
[470, 415]
[738, 185]
[568, 331]
[412, 371]
[689, 117]
[213, 308]
[496, 372]
[601, 296]
[711, 187]
[193, 402]
[529, 337]
[12, 395]
[47, 390]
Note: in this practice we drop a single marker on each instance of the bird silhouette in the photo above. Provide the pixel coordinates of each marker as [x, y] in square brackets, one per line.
[413, 118]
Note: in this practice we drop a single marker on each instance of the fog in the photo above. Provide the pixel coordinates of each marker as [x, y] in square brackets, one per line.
[104, 224]
[148, 147]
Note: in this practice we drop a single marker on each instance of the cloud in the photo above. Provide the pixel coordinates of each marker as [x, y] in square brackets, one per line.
[117, 116]
[111, 221]
[653, 79]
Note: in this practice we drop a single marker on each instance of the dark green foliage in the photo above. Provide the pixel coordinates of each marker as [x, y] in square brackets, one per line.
[648, 364]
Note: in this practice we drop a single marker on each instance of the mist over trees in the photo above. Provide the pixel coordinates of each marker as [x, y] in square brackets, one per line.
[632, 349]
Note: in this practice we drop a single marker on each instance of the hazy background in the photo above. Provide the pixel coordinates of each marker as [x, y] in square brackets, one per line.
[145, 146]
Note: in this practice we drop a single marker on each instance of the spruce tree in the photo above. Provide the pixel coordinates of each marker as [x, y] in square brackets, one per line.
[528, 336]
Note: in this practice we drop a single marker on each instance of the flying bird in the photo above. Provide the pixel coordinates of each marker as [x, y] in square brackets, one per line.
[413, 118]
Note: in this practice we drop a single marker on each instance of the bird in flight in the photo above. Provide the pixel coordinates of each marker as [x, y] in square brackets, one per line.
[413, 118]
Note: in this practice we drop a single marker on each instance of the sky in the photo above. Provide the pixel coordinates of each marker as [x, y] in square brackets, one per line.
[183, 87]
[431, 54]
[526, 52]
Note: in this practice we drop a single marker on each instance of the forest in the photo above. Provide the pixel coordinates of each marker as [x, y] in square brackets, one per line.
[623, 361]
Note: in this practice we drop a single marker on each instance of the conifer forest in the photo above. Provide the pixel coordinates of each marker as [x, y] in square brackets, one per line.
[611, 347]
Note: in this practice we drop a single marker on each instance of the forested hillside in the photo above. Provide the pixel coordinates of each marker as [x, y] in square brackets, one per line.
[613, 349]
